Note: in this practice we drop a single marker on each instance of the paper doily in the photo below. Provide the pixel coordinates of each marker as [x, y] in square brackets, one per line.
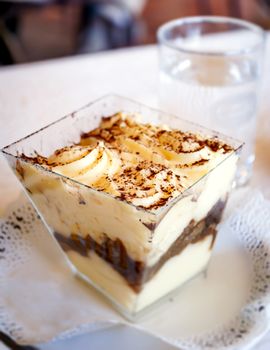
[24, 242]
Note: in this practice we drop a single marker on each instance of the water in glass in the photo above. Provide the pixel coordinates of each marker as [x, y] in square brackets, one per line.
[217, 92]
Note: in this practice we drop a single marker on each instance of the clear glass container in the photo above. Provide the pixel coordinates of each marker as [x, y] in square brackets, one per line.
[210, 73]
[135, 257]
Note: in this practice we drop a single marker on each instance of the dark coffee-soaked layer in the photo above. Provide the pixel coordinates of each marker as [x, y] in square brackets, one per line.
[135, 272]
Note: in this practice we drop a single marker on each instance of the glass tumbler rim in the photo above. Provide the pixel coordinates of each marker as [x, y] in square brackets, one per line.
[212, 20]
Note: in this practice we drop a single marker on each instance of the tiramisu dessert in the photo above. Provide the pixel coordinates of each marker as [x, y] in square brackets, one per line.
[134, 206]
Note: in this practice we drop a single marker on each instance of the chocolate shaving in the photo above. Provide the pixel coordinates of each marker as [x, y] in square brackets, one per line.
[150, 225]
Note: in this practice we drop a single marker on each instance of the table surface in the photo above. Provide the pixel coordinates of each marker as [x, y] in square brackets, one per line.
[33, 95]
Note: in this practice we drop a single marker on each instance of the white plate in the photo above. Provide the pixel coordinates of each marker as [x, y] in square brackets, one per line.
[41, 300]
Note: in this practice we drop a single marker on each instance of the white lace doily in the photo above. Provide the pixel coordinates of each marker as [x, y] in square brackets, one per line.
[41, 300]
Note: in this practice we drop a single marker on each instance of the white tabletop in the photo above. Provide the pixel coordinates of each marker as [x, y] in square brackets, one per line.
[34, 95]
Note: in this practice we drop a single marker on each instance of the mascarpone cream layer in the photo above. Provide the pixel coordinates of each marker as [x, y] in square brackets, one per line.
[143, 164]
[68, 207]
[173, 273]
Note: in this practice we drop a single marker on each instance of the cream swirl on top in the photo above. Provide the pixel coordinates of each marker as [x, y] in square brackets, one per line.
[90, 166]
[144, 164]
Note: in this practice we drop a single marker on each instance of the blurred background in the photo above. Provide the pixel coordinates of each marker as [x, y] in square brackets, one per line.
[33, 30]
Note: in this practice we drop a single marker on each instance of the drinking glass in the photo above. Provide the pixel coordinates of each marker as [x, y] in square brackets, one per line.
[210, 70]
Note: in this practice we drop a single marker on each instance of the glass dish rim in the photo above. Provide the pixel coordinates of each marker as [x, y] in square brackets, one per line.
[212, 19]
[155, 213]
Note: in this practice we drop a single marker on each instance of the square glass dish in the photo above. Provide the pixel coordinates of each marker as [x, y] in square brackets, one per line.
[133, 255]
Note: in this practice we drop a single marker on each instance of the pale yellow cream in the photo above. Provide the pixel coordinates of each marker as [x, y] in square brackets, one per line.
[144, 164]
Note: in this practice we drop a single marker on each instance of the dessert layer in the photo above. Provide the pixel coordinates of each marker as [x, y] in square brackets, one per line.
[176, 271]
[136, 273]
[143, 164]
[68, 208]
